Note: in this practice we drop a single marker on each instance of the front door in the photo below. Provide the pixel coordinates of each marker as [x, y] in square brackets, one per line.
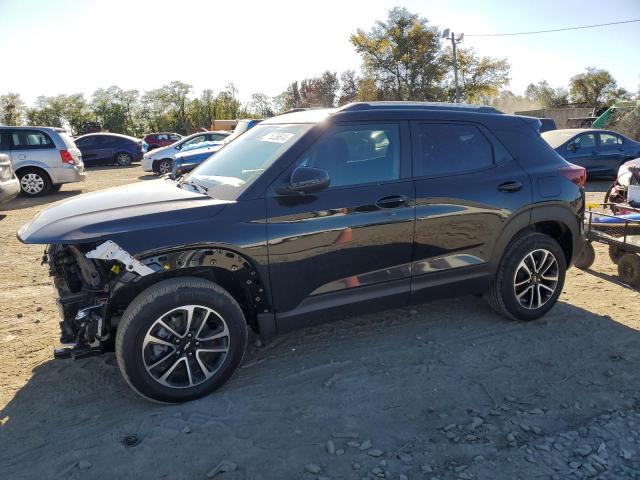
[582, 151]
[345, 249]
[467, 188]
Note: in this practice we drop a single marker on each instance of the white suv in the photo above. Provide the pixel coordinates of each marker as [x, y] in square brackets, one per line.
[43, 158]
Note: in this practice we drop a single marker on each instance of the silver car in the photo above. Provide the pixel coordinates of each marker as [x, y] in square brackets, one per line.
[9, 185]
[44, 158]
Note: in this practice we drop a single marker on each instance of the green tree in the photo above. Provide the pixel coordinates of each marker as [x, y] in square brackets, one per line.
[117, 110]
[202, 111]
[227, 105]
[260, 106]
[319, 91]
[176, 96]
[348, 87]
[288, 99]
[478, 77]
[595, 87]
[12, 109]
[544, 95]
[48, 111]
[403, 55]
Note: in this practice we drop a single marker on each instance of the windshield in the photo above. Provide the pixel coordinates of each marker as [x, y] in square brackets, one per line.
[226, 173]
[555, 138]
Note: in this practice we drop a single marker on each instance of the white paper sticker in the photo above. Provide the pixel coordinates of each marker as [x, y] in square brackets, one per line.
[277, 137]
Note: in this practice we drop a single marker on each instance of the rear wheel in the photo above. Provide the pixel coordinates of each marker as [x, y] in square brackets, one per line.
[34, 182]
[164, 166]
[629, 269]
[529, 279]
[123, 159]
[616, 253]
[586, 257]
[180, 339]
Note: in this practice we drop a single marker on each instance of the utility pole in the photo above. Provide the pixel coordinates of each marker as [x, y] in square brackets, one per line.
[454, 41]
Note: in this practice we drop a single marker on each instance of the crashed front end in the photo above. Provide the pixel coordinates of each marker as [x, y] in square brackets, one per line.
[84, 277]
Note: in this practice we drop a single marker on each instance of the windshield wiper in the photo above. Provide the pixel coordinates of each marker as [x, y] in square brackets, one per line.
[199, 188]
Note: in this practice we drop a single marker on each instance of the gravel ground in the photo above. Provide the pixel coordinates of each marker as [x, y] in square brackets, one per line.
[447, 390]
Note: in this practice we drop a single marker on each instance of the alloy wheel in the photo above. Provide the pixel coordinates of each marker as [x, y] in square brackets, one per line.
[32, 183]
[186, 346]
[536, 279]
[164, 167]
[123, 159]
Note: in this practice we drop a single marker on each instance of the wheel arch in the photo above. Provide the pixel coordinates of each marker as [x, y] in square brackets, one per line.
[234, 272]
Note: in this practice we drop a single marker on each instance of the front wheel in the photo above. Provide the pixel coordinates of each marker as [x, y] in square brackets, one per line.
[123, 159]
[164, 167]
[529, 279]
[180, 339]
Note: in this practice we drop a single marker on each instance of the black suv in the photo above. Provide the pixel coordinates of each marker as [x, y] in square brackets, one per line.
[310, 216]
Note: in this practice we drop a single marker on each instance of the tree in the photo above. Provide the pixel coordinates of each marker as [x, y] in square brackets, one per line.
[48, 111]
[348, 87]
[117, 110]
[202, 111]
[289, 99]
[596, 88]
[544, 95]
[403, 56]
[319, 91]
[12, 109]
[227, 105]
[260, 106]
[478, 77]
[176, 94]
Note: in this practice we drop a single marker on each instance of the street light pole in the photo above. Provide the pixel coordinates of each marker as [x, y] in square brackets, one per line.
[454, 41]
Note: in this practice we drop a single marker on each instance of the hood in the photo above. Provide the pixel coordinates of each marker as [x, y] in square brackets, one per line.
[140, 209]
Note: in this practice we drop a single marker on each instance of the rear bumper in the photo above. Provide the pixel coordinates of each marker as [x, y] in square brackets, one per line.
[70, 174]
[9, 189]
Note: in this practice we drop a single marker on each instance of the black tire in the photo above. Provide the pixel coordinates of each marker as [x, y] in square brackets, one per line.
[629, 269]
[586, 257]
[164, 166]
[502, 295]
[153, 304]
[34, 182]
[56, 188]
[123, 159]
[616, 253]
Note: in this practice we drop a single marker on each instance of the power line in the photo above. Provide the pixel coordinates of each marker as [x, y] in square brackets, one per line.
[554, 30]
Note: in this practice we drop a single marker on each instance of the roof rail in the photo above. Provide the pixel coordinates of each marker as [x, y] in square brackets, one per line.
[397, 105]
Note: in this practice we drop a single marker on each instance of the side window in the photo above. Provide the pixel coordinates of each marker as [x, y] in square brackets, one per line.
[609, 139]
[31, 140]
[193, 141]
[4, 145]
[449, 149]
[162, 137]
[357, 154]
[586, 140]
[174, 138]
[85, 142]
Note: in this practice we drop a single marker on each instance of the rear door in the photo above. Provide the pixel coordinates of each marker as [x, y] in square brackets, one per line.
[467, 188]
[611, 153]
[33, 147]
[347, 248]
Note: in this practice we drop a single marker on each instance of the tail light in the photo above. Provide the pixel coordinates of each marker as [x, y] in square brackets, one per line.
[66, 157]
[574, 174]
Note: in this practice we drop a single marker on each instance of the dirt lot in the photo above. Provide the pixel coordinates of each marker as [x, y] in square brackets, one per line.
[448, 390]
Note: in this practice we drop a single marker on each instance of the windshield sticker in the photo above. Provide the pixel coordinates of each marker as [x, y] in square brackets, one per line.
[277, 137]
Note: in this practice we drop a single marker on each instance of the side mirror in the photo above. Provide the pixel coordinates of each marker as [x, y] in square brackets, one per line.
[305, 180]
[572, 147]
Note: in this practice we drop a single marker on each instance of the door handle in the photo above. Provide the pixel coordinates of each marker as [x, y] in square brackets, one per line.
[392, 201]
[514, 186]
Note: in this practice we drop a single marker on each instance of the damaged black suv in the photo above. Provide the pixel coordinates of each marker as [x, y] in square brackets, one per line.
[311, 215]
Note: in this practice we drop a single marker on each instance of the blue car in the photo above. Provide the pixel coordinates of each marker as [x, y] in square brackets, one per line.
[188, 160]
[601, 152]
[109, 149]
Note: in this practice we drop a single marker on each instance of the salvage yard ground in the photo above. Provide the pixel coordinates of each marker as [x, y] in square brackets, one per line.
[446, 390]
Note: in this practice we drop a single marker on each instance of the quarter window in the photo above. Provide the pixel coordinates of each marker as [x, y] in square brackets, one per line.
[357, 154]
[586, 140]
[449, 149]
[31, 140]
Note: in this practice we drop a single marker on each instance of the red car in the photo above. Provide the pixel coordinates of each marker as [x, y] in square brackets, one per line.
[157, 140]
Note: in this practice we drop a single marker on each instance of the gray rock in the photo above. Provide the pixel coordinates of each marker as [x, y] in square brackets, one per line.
[403, 477]
[478, 458]
[227, 466]
[340, 451]
[345, 435]
[312, 468]
[536, 411]
[574, 465]
[426, 468]
[375, 452]
[626, 454]
[583, 450]
[451, 426]
[186, 430]
[365, 445]
[353, 444]
[476, 422]
[331, 448]
[465, 476]
[460, 468]
[356, 466]
[511, 438]
[84, 465]
[405, 458]
[530, 459]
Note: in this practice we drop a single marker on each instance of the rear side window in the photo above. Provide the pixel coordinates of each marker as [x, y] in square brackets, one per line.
[68, 141]
[357, 154]
[175, 138]
[609, 139]
[31, 140]
[86, 141]
[449, 149]
[162, 137]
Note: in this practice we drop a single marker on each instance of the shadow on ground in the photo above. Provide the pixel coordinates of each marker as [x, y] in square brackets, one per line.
[21, 202]
[394, 378]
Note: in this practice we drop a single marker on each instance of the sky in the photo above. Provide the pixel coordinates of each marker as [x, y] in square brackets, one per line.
[66, 46]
